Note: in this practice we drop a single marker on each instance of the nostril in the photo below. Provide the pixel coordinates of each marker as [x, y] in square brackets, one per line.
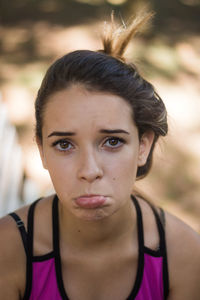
[90, 168]
[90, 175]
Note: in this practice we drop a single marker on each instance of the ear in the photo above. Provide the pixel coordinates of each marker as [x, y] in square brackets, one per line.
[145, 144]
[42, 156]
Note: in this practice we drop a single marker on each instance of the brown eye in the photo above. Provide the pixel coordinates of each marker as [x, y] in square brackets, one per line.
[114, 142]
[62, 145]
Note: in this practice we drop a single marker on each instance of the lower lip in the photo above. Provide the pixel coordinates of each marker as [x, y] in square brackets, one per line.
[90, 202]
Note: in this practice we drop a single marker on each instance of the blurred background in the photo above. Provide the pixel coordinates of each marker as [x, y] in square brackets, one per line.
[33, 33]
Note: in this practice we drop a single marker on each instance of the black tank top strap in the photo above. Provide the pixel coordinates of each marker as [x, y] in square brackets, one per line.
[30, 227]
[162, 216]
[22, 230]
[56, 247]
[160, 221]
[139, 223]
[29, 260]
[140, 231]
[27, 239]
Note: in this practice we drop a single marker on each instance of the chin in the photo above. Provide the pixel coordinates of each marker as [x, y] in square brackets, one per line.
[93, 215]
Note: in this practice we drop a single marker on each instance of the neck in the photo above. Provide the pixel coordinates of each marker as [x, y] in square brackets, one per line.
[83, 234]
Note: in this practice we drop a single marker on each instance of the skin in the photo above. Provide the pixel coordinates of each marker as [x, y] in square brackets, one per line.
[91, 161]
[98, 246]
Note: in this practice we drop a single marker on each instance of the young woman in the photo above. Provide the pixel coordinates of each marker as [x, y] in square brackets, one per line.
[97, 122]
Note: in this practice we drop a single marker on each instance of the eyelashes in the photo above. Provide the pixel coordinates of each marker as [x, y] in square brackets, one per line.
[110, 143]
[62, 145]
[114, 142]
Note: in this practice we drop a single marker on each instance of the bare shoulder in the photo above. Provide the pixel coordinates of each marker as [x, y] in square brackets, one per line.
[10, 239]
[183, 250]
[12, 258]
[12, 253]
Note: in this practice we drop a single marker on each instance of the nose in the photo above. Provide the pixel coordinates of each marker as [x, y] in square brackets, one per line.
[89, 168]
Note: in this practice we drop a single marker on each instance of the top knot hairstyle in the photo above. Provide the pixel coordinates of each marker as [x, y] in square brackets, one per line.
[116, 38]
[106, 70]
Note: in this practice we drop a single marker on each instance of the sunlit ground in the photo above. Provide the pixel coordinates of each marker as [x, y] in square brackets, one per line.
[175, 72]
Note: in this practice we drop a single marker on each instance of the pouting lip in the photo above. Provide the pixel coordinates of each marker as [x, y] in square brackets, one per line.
[90, 201]
[90, 196]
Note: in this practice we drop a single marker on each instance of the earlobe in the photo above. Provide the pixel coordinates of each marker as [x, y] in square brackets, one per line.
[42, 156]
[146, 142]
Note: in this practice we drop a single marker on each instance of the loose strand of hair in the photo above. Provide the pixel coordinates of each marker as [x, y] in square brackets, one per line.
[130, 31]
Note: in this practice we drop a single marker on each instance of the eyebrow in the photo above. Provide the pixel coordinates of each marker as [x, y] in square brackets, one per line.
[69, 133]
[111, 131]
[61, 133]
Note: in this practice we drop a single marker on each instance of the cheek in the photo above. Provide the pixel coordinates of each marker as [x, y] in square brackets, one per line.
[60, 171]
[123, 170]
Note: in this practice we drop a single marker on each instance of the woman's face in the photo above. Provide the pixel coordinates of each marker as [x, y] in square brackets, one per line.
[91, 149]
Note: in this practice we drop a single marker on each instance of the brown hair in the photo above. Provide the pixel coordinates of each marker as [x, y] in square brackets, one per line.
[106, 70]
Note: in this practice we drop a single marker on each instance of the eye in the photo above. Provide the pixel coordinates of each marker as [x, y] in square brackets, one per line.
[62, 145]
[114, 142]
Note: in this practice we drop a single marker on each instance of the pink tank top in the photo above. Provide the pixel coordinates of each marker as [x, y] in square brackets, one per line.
[44, 276]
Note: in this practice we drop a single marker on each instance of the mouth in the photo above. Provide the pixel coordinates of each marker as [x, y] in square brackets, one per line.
[90, 201]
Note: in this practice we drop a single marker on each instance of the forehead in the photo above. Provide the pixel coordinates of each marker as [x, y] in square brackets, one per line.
[76, 107]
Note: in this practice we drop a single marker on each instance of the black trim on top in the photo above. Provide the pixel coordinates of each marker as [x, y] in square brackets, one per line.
[56, 248]
[43, 257]
[22, 230]
[155, 253]
[29, 250]
[140, 267]
[163, 249]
